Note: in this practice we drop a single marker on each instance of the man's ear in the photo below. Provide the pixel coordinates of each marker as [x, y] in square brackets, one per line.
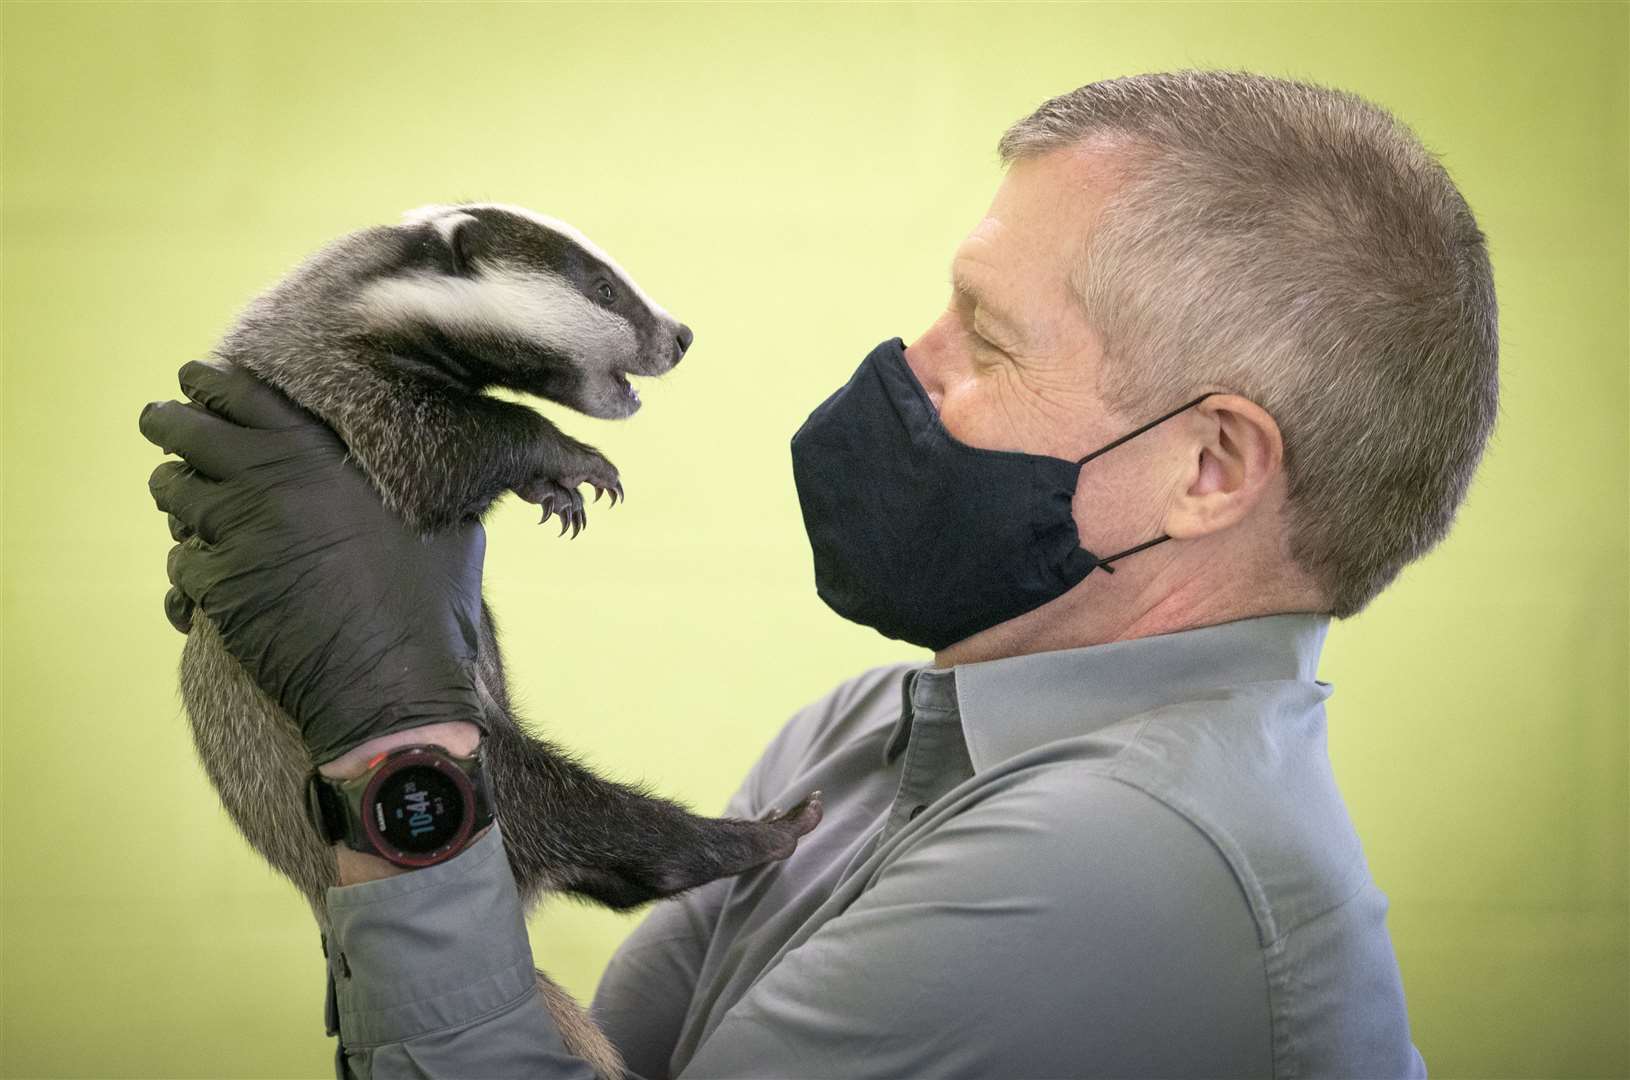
[1235, 451]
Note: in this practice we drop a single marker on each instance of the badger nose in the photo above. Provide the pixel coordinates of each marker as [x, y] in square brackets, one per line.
[683, 338]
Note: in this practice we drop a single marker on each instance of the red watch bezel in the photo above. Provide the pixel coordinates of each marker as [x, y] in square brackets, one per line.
[395, 762]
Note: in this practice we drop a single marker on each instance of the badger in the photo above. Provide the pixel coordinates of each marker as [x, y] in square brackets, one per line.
[390, 335]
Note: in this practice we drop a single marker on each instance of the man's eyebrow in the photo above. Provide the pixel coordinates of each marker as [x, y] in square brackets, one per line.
[962, 285]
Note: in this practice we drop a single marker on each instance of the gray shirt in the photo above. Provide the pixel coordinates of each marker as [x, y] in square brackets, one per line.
[1130, 859]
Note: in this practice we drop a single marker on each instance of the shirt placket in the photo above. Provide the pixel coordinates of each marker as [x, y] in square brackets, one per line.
[935, 762]
[932, 762]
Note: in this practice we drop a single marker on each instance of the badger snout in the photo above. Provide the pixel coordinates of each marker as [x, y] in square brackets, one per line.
[653, 361]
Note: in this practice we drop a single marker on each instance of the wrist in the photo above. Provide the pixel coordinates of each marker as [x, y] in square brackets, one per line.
[457, 737]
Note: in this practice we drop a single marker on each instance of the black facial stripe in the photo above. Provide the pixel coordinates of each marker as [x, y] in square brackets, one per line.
[626, 300]
[531, 245]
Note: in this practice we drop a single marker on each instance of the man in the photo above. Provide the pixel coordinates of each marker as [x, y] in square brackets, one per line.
[1219, 361]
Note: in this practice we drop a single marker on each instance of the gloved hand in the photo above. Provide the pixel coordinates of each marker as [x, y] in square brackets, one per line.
[350, 621]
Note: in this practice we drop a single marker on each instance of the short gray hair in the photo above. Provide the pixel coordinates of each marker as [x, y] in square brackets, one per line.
[1296, 245]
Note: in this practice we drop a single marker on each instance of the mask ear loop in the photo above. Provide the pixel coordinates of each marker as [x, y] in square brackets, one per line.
[1104, 563]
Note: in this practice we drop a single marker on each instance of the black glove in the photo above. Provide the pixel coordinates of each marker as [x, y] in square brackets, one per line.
[355, 625]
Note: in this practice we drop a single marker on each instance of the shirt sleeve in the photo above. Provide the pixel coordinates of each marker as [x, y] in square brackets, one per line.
[646, 989]
[645, 992]
[1066, 925]
[432, 976]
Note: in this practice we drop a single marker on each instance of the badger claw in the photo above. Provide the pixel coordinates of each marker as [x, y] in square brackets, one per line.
[556, 491]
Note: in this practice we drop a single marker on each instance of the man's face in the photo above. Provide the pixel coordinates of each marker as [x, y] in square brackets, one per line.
[1015, 366]
[1012, 363]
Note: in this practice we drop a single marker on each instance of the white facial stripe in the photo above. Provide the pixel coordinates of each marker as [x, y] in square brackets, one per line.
[540, 308]
[431, 212]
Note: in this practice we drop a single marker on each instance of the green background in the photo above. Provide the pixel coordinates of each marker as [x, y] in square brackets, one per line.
[791, 181]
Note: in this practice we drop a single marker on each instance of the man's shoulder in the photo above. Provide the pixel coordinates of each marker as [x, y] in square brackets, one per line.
[1246, 767]
[1257, 781]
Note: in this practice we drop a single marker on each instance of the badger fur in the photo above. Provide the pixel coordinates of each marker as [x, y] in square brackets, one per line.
[390, 335]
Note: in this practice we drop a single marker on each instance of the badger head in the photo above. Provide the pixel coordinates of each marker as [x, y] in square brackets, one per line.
[499, 295]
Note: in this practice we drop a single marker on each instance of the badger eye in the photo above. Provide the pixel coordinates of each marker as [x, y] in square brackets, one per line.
[606, 294]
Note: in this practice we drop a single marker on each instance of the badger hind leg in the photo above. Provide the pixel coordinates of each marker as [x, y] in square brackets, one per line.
[253, 755]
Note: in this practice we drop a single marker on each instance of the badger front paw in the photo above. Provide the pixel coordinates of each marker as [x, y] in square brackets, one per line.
[792, 824]
[592, 469]
[727, 846]
[555, 491]
[557, 499]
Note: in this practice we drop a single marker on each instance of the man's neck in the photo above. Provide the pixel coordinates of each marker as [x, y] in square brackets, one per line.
[1071, 622]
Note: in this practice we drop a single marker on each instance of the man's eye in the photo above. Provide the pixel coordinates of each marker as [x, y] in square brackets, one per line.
[980, 341]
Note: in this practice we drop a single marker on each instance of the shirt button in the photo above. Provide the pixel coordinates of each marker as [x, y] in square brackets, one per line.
[915, 810]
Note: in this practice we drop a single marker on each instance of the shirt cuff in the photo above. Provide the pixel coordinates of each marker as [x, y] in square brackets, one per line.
[433, 949]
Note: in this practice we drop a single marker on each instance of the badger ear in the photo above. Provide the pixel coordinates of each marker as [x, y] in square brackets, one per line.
[456, 232]
[453, 227]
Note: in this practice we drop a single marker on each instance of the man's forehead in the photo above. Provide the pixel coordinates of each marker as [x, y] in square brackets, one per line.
[1041, 195]
[1039, 216]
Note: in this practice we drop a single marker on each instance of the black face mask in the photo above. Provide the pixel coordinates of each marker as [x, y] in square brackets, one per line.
[927, 539]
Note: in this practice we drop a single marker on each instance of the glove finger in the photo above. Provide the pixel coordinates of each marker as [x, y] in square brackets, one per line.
[178, 609]
[191, 498]
[194, 570]
[232, 391]
[177, 564]
[179, 530]
[215, 447]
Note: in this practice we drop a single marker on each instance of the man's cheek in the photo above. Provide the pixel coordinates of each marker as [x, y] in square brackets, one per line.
[993, 409]
[962, 416]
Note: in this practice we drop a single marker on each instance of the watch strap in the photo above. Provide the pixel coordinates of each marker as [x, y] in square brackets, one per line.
[325, 808]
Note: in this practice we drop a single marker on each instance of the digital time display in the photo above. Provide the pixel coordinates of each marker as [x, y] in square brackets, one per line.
[418, 810]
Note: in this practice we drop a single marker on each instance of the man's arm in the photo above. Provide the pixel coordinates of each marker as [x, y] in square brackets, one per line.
[643, 994]
[647, 987]
[436, 975]
[1067, 925]
[432, 969]
[645, 991]
[433, 975]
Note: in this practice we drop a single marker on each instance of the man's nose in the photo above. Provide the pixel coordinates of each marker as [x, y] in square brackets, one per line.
[922, 366]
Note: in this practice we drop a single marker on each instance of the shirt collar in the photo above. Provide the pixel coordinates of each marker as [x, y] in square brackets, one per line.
[1010, 705]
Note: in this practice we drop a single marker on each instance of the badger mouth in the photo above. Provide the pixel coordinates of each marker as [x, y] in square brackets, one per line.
[630, 395]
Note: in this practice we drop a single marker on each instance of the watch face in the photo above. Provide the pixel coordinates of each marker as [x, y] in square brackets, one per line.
[416, 810]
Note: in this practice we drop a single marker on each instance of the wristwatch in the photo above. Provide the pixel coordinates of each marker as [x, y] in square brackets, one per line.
[414, 806]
